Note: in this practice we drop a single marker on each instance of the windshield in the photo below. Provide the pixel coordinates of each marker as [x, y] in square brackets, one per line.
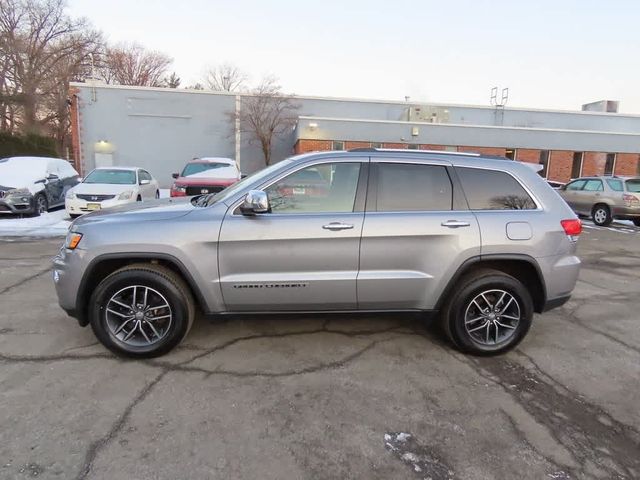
[192, 168]
[246, 183]
[115, 177]
[633, 185]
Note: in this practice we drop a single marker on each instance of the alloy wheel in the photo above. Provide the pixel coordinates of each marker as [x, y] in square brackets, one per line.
[138, 316]
[600, 215]
[492, 317]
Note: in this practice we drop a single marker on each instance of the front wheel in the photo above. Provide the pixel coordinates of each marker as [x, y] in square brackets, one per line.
[40, 204]
[141, 311]
[490, 314]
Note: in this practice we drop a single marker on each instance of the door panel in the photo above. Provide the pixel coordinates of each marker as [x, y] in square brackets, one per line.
[407, 258]
[289, 262]
[304, 254]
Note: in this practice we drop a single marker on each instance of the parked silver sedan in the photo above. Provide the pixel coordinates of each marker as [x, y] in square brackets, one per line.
[604, 198]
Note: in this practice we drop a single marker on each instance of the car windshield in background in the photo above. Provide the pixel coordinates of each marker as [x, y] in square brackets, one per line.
[633, 185]
[202, 167]
[115, 177]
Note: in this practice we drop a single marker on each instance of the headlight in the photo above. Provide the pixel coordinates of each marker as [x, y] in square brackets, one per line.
[125, 195]
[70, 196]
[72, 240]
[180, 189]
[16, 192]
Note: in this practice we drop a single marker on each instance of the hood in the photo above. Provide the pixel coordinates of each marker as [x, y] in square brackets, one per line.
[102, 188]
[25, 175]
[163, 209]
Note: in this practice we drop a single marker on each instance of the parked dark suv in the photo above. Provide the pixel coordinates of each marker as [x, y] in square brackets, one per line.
[484, 242]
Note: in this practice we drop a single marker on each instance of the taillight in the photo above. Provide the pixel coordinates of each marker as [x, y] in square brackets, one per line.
[572, 227]
[630, 200]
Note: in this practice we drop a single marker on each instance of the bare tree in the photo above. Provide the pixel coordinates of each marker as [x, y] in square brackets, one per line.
[265, 114]
[226, 78]
[132, 64]
[40, 49]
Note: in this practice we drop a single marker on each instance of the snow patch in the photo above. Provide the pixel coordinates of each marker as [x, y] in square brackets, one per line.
[52, 224]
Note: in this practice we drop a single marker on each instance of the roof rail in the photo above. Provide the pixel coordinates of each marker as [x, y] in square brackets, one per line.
[406, 150]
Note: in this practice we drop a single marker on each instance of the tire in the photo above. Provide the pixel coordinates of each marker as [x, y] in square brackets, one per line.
[464, 324]
[636, 222]
[157, 194]
[139, 199]
[74, 215]
[40, 204]
[141, 336]
[601, 215]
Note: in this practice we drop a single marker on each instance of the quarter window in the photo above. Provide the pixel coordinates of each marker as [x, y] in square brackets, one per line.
[328, 187]
[493, 190]
[412, 187]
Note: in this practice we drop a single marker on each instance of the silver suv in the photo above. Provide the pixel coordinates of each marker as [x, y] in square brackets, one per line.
[482, 241]
[604, 198]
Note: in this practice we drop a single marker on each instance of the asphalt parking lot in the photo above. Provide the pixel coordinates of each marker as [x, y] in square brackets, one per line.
[325, 397]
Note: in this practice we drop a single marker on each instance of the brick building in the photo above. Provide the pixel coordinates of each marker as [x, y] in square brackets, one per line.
[159, 129]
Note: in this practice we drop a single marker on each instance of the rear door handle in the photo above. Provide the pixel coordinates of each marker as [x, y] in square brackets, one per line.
[455, 224]
[337, 226]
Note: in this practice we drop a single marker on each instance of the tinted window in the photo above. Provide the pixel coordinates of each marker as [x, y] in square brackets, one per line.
[577, 185]
[633, 186]
[192, 168]
[493, 190]
[615, 185]
[593, 186]
[329, 187]
[411, 187]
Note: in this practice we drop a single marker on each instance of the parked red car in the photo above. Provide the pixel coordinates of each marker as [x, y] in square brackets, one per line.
[205, 175]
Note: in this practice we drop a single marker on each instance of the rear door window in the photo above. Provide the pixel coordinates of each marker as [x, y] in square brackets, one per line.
[493, 190]
[405, 187]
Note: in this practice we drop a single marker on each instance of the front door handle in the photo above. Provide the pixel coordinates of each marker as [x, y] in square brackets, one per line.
[337, 226]
[455, 224]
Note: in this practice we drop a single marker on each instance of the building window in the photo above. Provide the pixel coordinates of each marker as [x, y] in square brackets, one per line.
[413, 146]
[576, 166]
[510, 153]
[544, 161]
[376, 145]
[610, 164]
[337, 145]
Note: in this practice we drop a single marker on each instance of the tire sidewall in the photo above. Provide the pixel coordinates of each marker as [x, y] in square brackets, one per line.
[36, 204]
[607, 219]
[459, 306]
[119, 280]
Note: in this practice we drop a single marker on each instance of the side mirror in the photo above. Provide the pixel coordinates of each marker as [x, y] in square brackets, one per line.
[145, 182]
[256, 201]
[175, 175]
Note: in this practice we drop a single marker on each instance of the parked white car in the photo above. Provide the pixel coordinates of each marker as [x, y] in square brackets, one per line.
[111, 186]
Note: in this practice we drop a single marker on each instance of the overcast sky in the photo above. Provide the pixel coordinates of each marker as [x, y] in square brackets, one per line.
[551, 54]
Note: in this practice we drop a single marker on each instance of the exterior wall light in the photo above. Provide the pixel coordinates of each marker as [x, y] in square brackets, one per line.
[313, 125]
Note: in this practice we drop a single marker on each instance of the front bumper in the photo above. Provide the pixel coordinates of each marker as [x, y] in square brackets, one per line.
[17, 205]
[78, 206]
[68, 268]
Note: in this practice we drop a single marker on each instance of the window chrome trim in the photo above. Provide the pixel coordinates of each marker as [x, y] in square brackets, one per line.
[362, 160]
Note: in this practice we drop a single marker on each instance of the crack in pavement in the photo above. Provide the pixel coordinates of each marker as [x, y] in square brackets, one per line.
[25, 280]
[588, 432]
[120, 423]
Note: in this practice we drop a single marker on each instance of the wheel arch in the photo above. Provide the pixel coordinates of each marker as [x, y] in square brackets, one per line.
[520, 266]
[105, 264]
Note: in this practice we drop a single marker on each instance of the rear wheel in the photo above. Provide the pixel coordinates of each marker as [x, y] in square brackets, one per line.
[490, 314]
[601, 215]
[141, 311]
